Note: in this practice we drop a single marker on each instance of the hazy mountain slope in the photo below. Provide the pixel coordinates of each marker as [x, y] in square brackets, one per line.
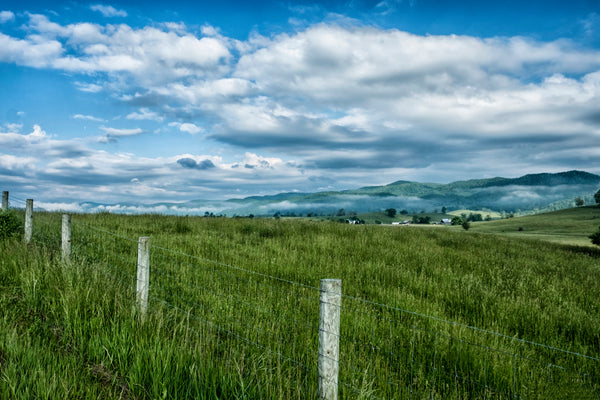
[529, 192]
[544, 191]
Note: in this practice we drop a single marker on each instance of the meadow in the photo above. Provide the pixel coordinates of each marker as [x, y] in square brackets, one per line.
[234, 305]
[570, 226]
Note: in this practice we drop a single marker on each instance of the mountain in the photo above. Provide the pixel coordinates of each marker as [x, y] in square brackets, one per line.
[526, 194]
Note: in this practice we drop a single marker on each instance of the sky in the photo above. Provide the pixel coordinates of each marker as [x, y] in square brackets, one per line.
[145, 102]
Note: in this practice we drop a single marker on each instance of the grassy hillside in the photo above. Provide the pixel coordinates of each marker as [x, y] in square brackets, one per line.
[234, 303]
[570, 226]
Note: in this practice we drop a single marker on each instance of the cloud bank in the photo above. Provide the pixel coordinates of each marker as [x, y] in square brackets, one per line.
[333, 105]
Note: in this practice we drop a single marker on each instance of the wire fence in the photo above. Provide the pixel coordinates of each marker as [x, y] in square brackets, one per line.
[385, 352]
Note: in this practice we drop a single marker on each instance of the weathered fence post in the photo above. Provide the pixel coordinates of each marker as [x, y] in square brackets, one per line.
[329, 337]
[28, 220]
[66, 238]
[5, 200]
[143, 274]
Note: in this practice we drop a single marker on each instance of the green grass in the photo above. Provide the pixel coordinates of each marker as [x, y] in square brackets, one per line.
[570, 226]
[226, 328]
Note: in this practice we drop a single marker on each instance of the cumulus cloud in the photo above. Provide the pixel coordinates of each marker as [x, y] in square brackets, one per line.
[332, 63]
[149, 55]
[32, 52]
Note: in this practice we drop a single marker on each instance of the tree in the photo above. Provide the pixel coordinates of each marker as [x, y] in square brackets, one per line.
[474, 217]
[416, 219]
[443, 210]
[579, 202]
[597, 197]
[390, 212]
[595, 237]
[466, 225]
[457, 221]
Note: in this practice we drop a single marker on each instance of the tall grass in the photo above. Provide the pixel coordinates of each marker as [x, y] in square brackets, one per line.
[234, 309]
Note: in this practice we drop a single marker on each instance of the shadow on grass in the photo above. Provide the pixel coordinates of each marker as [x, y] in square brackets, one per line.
[585, 250]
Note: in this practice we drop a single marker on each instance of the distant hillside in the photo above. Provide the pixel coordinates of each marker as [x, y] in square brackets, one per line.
[533, 192]
[568, 226]
[526, 194]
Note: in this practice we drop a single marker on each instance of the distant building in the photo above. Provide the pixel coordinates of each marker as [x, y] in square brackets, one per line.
[446, 221]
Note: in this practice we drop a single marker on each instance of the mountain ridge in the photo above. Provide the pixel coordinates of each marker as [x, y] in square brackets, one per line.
[525, 194]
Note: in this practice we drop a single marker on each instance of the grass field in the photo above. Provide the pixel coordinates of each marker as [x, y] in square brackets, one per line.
[234, 310]
[570, 226]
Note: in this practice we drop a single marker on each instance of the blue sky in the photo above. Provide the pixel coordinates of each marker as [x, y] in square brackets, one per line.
[171, 101]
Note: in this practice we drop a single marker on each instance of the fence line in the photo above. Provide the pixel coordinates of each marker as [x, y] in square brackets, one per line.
[468, 327]
[384, 351]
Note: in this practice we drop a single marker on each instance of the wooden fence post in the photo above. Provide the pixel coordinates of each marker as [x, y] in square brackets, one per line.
[143, 274]
[5, 200]
[28, 220]
[66, 238]
[329, 337]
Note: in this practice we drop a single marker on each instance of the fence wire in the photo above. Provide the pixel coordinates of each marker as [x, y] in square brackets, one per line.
[16, 202]
[385, 352]
[395, 353]
[274, 317]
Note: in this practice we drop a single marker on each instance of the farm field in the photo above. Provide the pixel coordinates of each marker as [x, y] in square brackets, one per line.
[426, 313]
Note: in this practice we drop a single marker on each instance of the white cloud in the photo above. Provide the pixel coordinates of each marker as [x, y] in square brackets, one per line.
[217, 90]
[252, 160]
[365, 87]
[149, 55]
[12, 163]
[39, 144]
[13, 138]
[108, 11]
[190, 128]
[32, 52]
[334, 64]
[187, 127]
[6, 16]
